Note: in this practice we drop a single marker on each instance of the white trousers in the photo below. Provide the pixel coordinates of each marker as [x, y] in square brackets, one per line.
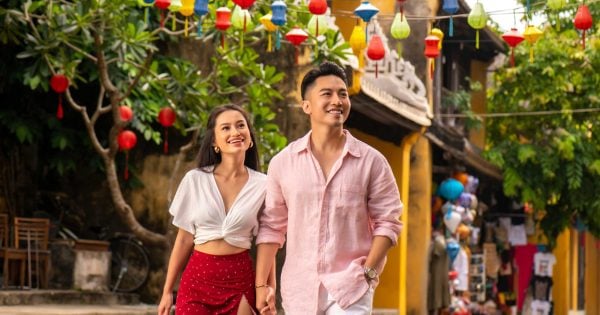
[328, 306]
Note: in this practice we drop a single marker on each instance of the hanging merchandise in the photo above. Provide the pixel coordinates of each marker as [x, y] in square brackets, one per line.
[450, 189]
[432, 51]
[174, 7]
[223, 22]
[162, 5]
[166, 117]
[376, 51]
[296, 36]
[400, 28]
[512, 38]
[555, 6]
[145, 4]
[452, 219]
[187, 9]
[200, 9]
[450, 7]
[126, 140]
[59, 83]
[477, 19]
[583, 20]
[452, 247]
[532, 34]
[125, 113]
[241, 19]
[366, 11]
[265, 20]
[279, 11]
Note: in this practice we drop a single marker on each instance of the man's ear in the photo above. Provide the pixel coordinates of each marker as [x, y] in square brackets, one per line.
[306, 107]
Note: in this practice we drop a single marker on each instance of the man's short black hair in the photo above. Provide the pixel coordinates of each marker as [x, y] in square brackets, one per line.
[324, 69]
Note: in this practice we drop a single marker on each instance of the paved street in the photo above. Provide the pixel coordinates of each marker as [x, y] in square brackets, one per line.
[53, 309]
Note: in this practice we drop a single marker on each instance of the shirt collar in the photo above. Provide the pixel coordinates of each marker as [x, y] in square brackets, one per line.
[351, 146]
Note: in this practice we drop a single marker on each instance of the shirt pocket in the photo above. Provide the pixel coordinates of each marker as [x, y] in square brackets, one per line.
[352, 196]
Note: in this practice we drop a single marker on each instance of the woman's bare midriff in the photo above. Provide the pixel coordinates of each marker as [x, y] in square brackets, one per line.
[218, 247]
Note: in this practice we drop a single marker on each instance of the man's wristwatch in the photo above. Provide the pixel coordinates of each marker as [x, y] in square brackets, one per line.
[370, 273]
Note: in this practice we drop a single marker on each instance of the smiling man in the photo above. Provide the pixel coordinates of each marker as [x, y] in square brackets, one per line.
[336, 200]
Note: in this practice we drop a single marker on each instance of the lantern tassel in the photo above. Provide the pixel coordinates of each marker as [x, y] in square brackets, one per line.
[162, 18]
[185, 32]
[431, 68]
[376, 69]
[512, 57]
[531, 54]
[477, 39]
[269, 43]
[277, 39]
[146, 16]
[59, 110]
[166, 145]
[199, 31]
[451, 27]
[126, 175]
[583, 36]
[242, 41]
[173, 26]
[244, 23]
[317, 28]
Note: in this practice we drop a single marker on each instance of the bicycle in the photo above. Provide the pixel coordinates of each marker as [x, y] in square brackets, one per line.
[130, 265]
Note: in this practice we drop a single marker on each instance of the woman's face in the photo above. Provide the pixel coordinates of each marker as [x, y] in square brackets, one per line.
[232, 134]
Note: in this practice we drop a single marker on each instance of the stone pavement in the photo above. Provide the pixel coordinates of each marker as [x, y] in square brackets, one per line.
[56, 309]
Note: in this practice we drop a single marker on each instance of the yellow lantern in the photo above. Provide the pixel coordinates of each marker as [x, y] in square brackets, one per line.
[187, 9]
[358, 42]
[439, 34]
[532, 34]
[265, 20]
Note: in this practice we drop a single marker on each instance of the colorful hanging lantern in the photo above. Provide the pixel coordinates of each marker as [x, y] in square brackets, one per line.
[532, 34]
[126, 140]
[513, 38]
[223, 22]
[162, 5]
[187, 9]
[241, 19]
[477, 19]
[145, 4]
[174, 7]
[439, 34]
[583, 20]
[125, 113]
[279, 10]
[556, 5]
[296, 36]
[400, 28]
[244, 4]
[357, 40]
[450, 7]
[366, 11]
[313, 29]
[450, 189]
[166, 117]
[59, 83]
[401, 5]
[317, 8]
[432, 51]
[376, 51]
[200, 10]
[265, 20]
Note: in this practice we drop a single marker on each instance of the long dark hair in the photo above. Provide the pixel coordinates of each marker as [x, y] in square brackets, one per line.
[207, 155]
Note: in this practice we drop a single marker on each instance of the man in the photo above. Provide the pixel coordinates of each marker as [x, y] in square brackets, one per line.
[336, 199]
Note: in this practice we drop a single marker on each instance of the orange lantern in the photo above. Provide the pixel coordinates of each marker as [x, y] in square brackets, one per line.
[223, 22]
[166, 117]
[432, 50]
[513, 38]
[296, 36]
[59, 83]
[583, 20]
[376, 51]
[126, 140]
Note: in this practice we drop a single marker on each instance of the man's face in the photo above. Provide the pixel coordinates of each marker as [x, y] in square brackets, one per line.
[327, 101]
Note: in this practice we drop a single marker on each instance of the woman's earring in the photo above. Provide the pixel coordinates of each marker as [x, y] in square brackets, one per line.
[217, 150]
[251, 144]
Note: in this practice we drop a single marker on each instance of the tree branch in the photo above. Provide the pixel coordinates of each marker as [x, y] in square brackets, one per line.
[100, 110]
[89, 126]
[79, 50]
[143, 69]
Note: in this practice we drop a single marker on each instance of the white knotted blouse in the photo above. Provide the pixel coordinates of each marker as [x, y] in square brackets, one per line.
[198, 208]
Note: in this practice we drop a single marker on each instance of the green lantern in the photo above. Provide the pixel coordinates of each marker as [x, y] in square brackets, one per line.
[312, 25]
[241, 20]
[174, 7]
[400, 28]
[556, 5]
[477, 19]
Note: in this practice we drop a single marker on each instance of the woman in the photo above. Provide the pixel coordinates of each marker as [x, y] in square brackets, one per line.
[216, 208]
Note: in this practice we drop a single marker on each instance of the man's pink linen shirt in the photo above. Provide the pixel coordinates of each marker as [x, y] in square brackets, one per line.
[330, 223]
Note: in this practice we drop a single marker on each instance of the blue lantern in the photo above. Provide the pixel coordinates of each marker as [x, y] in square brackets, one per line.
[450, 189]
[452, 248]
[200, 9]
[278, 9]
[450, 7]
[366, 11]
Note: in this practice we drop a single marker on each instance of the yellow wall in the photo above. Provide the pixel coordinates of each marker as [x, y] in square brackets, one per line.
[561, 273]
[592, 275]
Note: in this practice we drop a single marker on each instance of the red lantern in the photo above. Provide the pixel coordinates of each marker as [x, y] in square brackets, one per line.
[317, 7]
[127, 140]
[125, 113]
[296, 36]
[432, 50]
[583, 20]
[166, 117]
[162, 5]
[376, 51]
[244, 4]
[223, 22]
[59, 83]
[513, 38]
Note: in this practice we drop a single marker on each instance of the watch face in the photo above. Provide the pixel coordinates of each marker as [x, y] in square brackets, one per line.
[371, 273]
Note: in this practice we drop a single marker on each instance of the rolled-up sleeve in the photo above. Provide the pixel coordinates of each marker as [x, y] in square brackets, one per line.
[274, 218]
[383, 201]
